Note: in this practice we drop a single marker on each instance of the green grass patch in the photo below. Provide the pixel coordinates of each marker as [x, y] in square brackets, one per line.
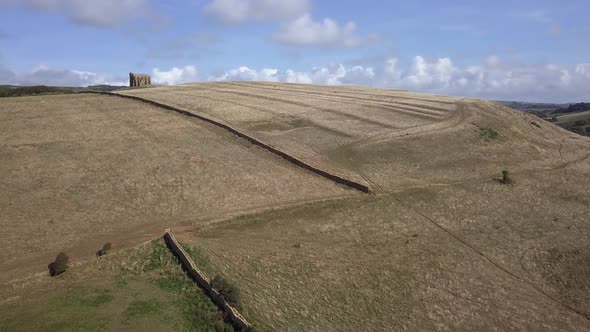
[92, 300]
[487, 134]
[200, 259]
[169, 284]
[141, 309]
[157, 257]
[135, 288]
[79, 310]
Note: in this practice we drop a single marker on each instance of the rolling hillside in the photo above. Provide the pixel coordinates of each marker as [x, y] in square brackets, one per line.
[246, 174]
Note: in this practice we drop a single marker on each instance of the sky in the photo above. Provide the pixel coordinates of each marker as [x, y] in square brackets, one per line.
[537, 51]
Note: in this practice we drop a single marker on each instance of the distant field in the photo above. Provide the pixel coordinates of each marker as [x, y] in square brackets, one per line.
[573, 117]
[576, 122]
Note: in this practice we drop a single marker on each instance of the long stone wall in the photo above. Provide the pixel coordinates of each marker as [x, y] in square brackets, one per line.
[231, 314]
[333, 177]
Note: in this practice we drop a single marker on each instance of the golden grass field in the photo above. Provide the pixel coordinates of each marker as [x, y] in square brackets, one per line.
[440, 244]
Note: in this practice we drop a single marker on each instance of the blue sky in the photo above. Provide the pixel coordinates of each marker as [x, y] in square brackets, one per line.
[511, 50]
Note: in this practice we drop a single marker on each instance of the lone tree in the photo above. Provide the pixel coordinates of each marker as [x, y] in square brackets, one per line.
[60, 264]
[105, 249]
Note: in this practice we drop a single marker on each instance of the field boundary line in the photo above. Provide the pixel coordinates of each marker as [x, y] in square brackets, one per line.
[231, 313]
[294, 160]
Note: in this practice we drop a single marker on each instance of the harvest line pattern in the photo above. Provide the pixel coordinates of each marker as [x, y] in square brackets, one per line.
[335, 178]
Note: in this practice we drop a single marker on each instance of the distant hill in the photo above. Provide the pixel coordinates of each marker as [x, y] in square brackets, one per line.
[573, 117]
[18, 91]
[531, 107]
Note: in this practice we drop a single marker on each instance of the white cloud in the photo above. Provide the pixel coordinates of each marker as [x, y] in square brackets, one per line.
[175, 75]
[493, 79]
[298, 28]
[244, 73]
[44, 75]
[305, 32]
[239, 11]
[99, 13]
[335, 74]
[583, 69]
[426, 74]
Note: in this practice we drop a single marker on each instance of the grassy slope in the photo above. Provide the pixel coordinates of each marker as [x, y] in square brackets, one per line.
[137, 289]
[376, 263]
[81, 170]
[510, 257]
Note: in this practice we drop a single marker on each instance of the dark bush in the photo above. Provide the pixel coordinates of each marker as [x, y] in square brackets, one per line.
[105, 249]
[60, 264]
[229, 291]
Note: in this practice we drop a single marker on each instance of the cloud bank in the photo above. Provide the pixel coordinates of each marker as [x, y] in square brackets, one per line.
[492, 79]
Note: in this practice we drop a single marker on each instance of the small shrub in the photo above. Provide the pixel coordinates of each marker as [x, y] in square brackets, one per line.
[60, 264]
[229, 291]
[488, 134]
[105, 249]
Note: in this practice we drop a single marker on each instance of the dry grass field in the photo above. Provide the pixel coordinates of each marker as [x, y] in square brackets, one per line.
[473, 256]
[80, 170]
[387, 139]
[440, 244]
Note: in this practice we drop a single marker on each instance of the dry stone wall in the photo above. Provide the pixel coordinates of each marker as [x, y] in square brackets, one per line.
[231, 314]
[333, 177]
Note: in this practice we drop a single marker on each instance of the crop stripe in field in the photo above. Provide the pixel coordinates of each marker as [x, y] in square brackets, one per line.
[424, 113]
[306, 105]
[388, 93]
[237, 320]
[333, 177]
